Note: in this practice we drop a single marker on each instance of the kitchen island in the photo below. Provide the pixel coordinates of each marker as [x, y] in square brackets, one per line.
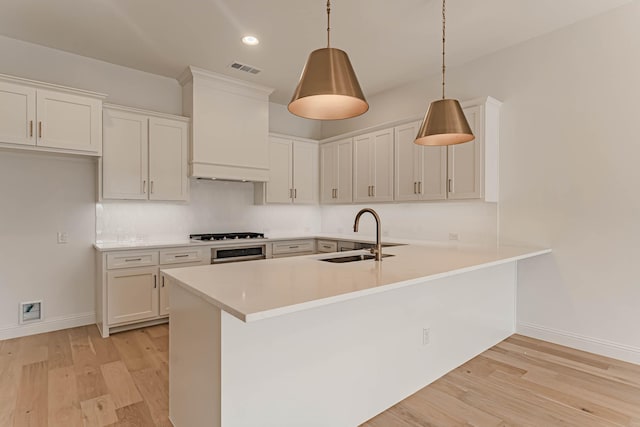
[305, 342]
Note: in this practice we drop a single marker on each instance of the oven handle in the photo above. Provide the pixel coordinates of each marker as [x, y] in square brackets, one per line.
[236, 259]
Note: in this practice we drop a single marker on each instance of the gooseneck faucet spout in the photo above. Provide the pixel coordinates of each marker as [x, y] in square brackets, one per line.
[377, 251]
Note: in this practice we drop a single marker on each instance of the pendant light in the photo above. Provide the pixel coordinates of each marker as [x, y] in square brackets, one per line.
[444, 123]
[328, 88]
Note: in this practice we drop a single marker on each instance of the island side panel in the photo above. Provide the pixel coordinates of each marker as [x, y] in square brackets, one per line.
[194, 360]
[343, 363]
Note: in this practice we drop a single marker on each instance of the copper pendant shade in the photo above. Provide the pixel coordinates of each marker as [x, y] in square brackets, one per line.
[445, 122]
[328, 88]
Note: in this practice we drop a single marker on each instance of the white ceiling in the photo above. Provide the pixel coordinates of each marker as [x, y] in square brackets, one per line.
[389, 42]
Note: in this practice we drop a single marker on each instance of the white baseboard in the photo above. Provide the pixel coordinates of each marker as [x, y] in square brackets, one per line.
[611, 349]
[47, 325]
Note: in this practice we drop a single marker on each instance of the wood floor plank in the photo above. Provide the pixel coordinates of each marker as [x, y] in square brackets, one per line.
[154, 387]
[120, 384]
[31, 405]
[10, 373]
[104, 349]
[89, 379]
[134, 350]
[135, 415]
[99, 411]
[64, 406]
[59, 350]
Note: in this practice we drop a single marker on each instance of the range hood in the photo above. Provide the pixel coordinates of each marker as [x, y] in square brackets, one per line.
[229, 126]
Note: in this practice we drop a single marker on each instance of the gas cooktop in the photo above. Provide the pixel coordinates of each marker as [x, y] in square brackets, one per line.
[226, 236]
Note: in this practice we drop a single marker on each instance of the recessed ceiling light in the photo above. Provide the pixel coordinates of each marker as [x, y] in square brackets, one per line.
[250, 40]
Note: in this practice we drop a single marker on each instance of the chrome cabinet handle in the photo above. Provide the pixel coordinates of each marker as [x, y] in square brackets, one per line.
[336, 190]
[30, 128]
[155, 281]
[181, 256]
[40, 129]
[151, 187]
[132, 259]
[144, 186]
[419, 187]
[163, 281]
[295, 193]
[294, 247]
[450, 186]
[414, 188]
[373, 191]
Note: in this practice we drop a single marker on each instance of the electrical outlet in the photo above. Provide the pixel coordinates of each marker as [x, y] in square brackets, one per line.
[63, 237]
[454, 236]
[426, 336]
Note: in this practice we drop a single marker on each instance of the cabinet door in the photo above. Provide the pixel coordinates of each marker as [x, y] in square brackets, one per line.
[343, 172]
[168, 175]
[125, 155]
[328, 170]
[382, 167]
[432, 181]
[164, 304]
[465, 162]
[408, 162]
[17, 114]
[132, 295]
[305, 172]
[69, 122]
[280, 185]
[363, 154]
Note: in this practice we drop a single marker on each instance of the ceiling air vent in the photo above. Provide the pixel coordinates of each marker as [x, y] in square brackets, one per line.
[244, 67]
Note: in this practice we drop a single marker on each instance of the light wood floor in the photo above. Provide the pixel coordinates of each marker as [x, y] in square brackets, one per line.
[74, 378]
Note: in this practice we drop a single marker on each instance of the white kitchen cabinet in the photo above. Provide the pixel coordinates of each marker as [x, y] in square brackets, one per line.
[44, 117]
[327, 246]
[293, 172]
[145, 156]
[131, 290]
[17, 114]
[168, 161]
[420, 172]
[336, 171]
[373, 167]
[472, 170]
[291, 248]
[132, 295]
[68, 122]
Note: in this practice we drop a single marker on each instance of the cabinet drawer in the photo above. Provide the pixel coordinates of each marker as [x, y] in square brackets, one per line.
[293, 247]
[327, 246]
[346, 246]
[131, 259]
[181, 255]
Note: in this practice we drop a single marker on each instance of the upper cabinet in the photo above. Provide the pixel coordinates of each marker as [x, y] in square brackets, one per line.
[336, 171]
[145, 155]
[44, 117]
[230, 126]
[388, 166]
[420, 172]
[472, 169]
[373, 167]
[293, 172]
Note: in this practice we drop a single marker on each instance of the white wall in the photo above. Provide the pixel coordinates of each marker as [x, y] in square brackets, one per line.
[123, 85]
[569, 173]
[42, 195]
[215, 206]
[282, 121]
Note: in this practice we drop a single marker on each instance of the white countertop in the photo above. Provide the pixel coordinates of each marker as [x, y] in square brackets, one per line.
[261, 289]
[120, 246]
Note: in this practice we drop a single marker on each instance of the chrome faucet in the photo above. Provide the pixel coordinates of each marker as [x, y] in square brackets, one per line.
[377, 251]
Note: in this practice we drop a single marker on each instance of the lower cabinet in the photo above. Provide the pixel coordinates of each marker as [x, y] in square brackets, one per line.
[132, 294]
[293, 248]
[132, 289]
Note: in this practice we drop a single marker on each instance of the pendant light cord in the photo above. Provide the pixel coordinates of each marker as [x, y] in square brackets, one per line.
[328, 23]
[443, 41]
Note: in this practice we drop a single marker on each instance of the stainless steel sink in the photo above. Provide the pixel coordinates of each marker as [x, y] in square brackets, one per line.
[352, 258]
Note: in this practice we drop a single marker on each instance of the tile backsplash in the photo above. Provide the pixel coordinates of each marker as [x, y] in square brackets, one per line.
[215, 206]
